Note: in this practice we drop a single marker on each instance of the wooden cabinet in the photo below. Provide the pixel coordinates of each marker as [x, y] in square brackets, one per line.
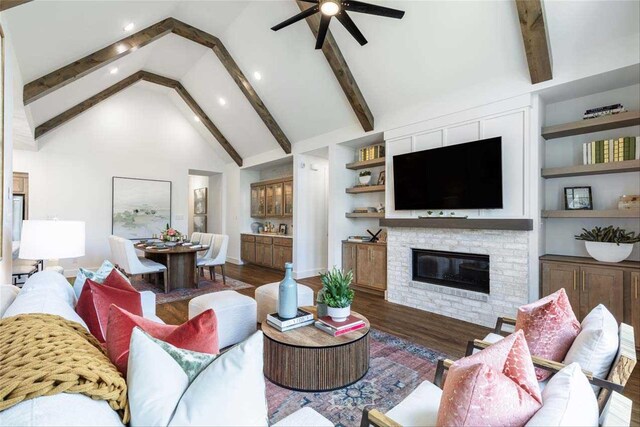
[267, 251]
[634, 305]
[601, 286]
[368, 261]
[282, 252]
[264, 254]
[255, 202]
[248, 248]
[272, 199]
[287, 198]
[556, 275]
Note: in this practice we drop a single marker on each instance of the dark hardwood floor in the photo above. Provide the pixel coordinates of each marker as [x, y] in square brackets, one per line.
[437, 332]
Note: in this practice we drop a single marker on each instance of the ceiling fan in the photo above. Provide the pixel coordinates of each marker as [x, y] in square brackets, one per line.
[339, 8]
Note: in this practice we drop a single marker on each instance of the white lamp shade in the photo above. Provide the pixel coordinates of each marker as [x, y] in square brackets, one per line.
[52, 239]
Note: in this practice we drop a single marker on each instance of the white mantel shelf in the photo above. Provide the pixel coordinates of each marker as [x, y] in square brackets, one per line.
[518, 224]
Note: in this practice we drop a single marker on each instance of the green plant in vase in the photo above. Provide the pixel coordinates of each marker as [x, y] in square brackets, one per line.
[365, 177]
[337, 293]
[608, 244]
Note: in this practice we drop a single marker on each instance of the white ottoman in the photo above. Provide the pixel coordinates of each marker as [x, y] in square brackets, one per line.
[267, 299]
[236, 314]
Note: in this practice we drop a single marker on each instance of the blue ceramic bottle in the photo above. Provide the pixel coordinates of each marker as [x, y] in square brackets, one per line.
[288, 294]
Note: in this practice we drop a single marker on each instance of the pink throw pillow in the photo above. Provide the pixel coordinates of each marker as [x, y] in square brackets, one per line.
[550, 327]
[496, 386]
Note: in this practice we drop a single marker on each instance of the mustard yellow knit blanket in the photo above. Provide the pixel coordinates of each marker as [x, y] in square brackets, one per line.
[44, 354]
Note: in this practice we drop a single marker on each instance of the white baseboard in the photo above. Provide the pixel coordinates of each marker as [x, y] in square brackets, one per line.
[308, 273]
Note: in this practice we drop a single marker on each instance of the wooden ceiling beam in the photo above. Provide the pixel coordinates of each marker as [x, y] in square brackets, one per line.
[341, 70]
[76, 110]
[534, 36]
[8, 4]
[67, 74]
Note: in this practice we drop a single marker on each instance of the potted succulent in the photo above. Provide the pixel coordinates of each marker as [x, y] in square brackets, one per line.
[337, 293]
[365, 177]
[608, 244]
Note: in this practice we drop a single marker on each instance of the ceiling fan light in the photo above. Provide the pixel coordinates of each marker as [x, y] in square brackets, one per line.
[330, 7]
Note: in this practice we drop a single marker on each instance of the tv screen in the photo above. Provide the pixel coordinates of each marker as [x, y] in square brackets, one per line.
[462, 176]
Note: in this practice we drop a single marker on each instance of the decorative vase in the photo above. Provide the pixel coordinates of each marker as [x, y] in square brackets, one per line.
[609, 252]
[364, 180]
[339, 314]
[288, 294]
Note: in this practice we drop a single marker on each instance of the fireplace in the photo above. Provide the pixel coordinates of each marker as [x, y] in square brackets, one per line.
[452, 269]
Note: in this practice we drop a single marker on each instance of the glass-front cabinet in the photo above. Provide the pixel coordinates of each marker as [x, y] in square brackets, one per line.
[261, 201]
[288, 198]
[273, 198]
[277, 199]
[270, 200]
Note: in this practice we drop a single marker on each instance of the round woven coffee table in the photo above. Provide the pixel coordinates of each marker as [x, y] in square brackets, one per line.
[307, 359]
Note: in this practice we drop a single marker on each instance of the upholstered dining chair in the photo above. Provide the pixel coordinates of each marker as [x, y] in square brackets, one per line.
[124, 256]
[215, 256]
[196, 237]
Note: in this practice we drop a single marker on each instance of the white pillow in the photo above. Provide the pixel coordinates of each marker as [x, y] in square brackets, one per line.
[8, 293]
[97, 276]
[182, 387]
[567, 400]
[596, 345]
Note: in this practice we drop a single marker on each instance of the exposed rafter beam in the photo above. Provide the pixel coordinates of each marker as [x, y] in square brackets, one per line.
[8, 4]
[74, 111]
[534, 36]
[67, 74]
[341, 70]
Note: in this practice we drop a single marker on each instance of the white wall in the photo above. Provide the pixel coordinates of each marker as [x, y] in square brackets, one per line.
[137, 133]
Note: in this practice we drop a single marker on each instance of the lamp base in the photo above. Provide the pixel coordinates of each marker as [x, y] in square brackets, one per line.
[56, 268]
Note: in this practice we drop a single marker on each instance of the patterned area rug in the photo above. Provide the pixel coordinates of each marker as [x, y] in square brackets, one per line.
[205, 286]
[397, 367]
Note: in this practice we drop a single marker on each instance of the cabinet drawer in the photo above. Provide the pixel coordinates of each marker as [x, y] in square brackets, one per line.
[264, 240]
[247, 238]
[282, 241]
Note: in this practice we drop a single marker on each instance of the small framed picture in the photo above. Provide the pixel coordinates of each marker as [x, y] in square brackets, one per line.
[381, 178]
[578, 198]
[282, 228]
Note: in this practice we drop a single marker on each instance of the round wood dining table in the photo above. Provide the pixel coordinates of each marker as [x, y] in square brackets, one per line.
[180, 262]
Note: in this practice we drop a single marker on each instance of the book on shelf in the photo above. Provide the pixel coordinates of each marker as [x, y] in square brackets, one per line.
[300, 317]
[290, 327]
[338, 326]
[336, 333]
[603, 111]
[370, 153]
[611, 150]
[359, 239]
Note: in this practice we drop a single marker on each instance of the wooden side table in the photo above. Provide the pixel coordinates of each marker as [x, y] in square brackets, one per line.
[307, 359]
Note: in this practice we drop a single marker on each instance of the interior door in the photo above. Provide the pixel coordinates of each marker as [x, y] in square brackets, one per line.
[556, 275]
[602, 286]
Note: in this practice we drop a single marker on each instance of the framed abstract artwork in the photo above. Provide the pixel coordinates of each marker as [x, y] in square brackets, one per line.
[200, 223]
[140, 207]
[200, 201]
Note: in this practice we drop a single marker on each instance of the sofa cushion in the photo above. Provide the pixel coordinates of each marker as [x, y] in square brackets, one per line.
[229, 391]
[549, 326]
[567, 400]
[198, 334]
[8, 294]
[95, 300]
[97, 276]
[420, 408]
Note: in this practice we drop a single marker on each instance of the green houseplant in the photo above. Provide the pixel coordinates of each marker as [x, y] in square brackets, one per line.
[337, 293]
[365, 177]
[608, 244]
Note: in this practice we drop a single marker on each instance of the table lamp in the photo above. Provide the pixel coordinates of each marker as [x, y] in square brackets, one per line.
[52, 240]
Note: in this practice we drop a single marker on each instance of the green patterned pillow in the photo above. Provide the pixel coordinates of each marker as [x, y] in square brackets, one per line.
[97, 276]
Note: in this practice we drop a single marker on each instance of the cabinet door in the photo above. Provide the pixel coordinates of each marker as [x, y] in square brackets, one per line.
[264, 254]
[556, 275]
[248, 251]
[255, 202]
[288, 198]
[349, 259]
[277, 199]
[601, 286]
[281, 255]
[634, 302]
[364, 268]
[379, 267]
[261, 201]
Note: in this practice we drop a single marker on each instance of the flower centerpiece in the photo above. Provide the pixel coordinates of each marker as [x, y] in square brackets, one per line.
[170, 235]
[337, 293]
[608, 244]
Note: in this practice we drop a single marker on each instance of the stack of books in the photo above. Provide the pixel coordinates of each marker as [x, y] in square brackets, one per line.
[302, 318]
[370, 153]
[326, 324]
[365, 210]
[607, 110]
[611, 150]
[359, 239]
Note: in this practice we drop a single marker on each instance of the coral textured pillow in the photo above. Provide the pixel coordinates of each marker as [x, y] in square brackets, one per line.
[95, 300]
[198, 334]
[496, 386]
[550, 327]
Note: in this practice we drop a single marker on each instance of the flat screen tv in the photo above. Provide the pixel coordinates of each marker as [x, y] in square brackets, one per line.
[462, 176]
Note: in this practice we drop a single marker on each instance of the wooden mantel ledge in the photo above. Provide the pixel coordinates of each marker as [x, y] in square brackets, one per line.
[518, 224]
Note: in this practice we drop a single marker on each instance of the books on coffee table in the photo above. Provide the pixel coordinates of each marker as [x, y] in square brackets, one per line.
[300, 317]
[336, 333]
[331, 327]
[290, 327]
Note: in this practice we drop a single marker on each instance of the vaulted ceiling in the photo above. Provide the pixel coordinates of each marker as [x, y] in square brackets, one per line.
[439, 47]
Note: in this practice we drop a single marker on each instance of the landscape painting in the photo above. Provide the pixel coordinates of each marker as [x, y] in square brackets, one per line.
[141, 207]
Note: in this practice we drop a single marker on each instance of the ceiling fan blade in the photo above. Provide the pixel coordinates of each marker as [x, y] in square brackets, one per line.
[322, 30]
[372, 9]
[310, 1]
[297, 17]
[351, 27]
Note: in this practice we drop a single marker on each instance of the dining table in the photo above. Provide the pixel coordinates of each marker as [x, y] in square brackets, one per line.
[180, 260]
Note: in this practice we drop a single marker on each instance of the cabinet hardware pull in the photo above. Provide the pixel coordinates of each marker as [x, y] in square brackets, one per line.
[636, 287]
[584, 274]
[575, 279]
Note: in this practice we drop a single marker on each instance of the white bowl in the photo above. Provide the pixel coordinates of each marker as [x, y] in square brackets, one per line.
[609, 252]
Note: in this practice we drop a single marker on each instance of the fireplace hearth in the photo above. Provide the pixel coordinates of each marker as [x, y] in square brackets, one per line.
[452, 269]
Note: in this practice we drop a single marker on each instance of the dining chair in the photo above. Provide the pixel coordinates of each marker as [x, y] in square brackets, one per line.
[125, 257]
[215, 256]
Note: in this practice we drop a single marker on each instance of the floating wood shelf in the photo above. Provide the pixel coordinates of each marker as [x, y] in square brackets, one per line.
[462, 223]
[611, 213]
[365, 215]
[366, 164]
[366, 189]
[597, 169]
[620, 120]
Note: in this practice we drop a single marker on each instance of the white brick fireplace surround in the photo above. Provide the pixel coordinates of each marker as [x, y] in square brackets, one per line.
[508, 272]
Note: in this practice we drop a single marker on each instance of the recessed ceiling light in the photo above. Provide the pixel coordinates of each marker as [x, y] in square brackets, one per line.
[114, 70]
[130, 26]
[222, 101]
[196, 118]
[257, 75]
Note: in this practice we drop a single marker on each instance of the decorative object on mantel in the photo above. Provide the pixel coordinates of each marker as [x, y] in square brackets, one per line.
[338, 294]
[288, 294]
[374, 237]
[441, 215]
[365, 177]
[629, 202]
[609, 244]
[578, 198]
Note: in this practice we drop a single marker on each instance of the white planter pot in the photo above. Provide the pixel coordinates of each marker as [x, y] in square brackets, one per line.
[339, 314]
[364, 180]
[609, 252]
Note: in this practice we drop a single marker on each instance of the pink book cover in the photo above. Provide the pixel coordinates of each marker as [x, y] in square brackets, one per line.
[351, 321]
